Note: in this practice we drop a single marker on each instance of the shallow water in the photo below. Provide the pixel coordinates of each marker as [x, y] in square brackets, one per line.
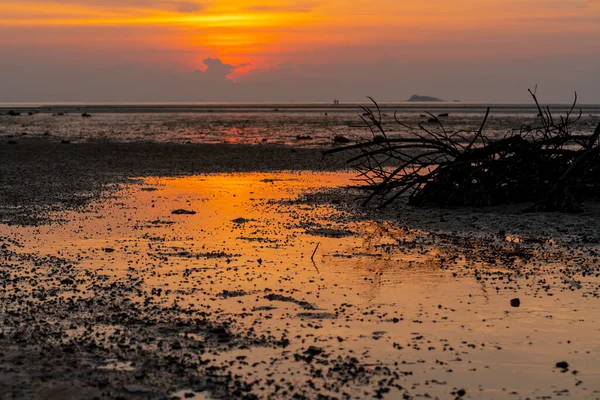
[314, 127]
[423, 311]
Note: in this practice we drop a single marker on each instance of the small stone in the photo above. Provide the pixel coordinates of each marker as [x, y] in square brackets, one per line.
[562, 364]
[515, 302]
[313, 351]
[183, 212]
[136, 389]
[341, 139]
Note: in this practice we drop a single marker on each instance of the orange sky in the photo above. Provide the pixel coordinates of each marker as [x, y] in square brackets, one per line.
[275, 35]
[270, 32]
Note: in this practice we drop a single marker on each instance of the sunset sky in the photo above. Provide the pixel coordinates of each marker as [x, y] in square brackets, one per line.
[312, 50]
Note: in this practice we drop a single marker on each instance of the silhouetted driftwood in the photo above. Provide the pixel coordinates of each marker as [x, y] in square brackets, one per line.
[546, 164]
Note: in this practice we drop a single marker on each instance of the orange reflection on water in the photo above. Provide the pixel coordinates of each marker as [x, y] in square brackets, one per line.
[393, 294]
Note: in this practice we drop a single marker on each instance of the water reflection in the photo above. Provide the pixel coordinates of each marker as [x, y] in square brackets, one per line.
[393, 296]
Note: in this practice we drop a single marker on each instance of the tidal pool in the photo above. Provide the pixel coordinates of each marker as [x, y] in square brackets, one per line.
[330, 301]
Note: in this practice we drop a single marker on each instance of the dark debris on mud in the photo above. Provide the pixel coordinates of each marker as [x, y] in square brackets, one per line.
[81, 333]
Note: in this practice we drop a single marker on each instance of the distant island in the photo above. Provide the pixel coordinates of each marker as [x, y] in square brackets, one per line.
[416, 97]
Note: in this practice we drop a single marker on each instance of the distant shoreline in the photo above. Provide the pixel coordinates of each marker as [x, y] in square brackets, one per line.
[277, 107]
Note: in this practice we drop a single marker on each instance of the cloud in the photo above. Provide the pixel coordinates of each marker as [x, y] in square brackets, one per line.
[188, 7]
[183, 6]
[300, 7]
[216, 70]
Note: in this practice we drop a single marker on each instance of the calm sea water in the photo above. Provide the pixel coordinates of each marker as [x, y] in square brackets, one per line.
[289, 124]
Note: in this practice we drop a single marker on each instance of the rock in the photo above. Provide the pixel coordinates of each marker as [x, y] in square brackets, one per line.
[313, 351]
[515, 302]
[86, 115]
[443, 115]
[562, 364]
[232, 293]
[301, 303]
[332, 233]
[109, 250]
[181, 211]
[240, 220]
[12, 113]
[300, 137]
[316, 315]
[64, 141]
[461, 392]
[136, 389]
[220, 333]
[341, 139]
[67, 281]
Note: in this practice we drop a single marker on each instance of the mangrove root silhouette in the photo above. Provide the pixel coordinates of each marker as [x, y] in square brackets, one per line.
[546, 164]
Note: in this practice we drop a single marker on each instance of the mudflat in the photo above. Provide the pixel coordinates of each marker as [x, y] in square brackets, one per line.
[41, 174]
[150, 271]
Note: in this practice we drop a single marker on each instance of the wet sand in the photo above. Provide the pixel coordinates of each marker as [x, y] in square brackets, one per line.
[277, 285]
[44, 174]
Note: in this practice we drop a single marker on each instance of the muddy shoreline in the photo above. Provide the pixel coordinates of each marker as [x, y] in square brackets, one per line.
[107, 294]
[38, 175]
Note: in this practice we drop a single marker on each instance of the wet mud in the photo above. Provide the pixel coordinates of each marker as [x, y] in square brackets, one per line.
[278, 286]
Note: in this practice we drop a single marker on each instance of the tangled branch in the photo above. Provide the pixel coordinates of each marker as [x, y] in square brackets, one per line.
[547, 164]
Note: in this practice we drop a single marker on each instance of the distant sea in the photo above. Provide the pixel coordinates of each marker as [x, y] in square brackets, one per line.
[314, 124]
